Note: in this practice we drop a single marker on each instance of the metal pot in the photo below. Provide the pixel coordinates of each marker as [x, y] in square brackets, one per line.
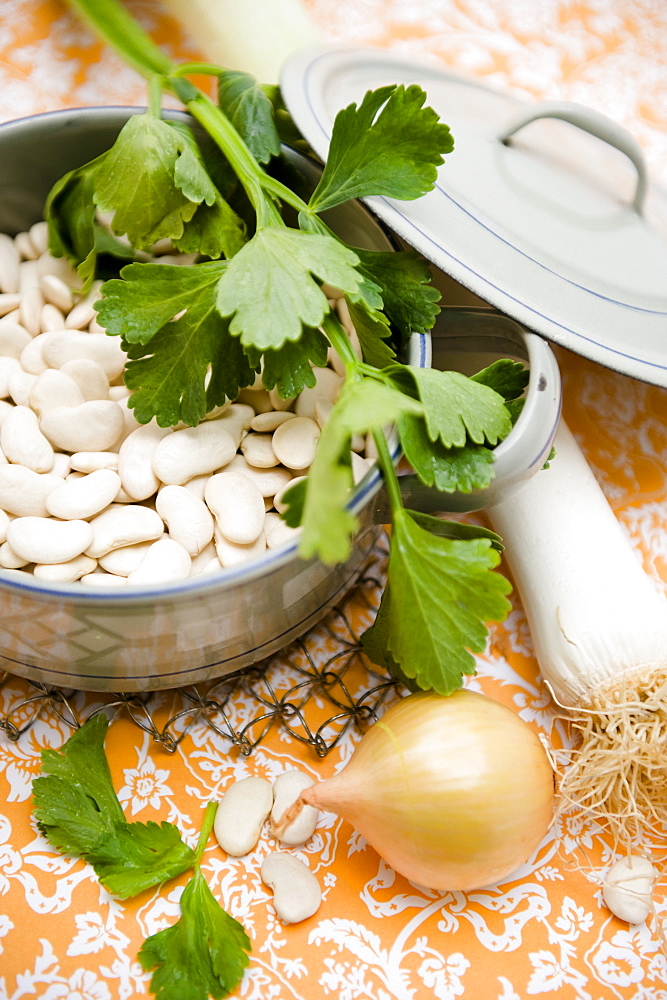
[150, 638]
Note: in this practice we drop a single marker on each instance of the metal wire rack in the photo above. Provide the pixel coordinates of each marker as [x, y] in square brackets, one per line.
[315, 689]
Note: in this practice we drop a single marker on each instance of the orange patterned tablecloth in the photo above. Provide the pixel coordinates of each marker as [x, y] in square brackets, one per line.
[376, 935]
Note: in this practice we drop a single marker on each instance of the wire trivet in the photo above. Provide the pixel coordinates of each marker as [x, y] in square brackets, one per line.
[315, 689]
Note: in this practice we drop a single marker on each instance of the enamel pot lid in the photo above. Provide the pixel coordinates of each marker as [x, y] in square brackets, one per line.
[545, 211]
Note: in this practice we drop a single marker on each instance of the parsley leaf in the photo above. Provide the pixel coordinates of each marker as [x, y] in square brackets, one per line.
[451, 592]
[251, 112]
[282, 262]
[78, 811]
[203, 954]
[389, 145]
[506, 377]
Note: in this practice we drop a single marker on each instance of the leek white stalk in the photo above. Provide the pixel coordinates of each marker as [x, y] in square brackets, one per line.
[254, 36]
[599, 627]
[453, 792]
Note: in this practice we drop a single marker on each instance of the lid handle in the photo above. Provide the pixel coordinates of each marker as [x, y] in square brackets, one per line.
[596, 124]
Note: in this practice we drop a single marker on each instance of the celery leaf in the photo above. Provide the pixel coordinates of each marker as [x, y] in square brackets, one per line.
[284, 264]
[328, 525]
[77, 810]
[205, 953]
[441, 593]
[389, 145]
[139, 182]
[251, 112]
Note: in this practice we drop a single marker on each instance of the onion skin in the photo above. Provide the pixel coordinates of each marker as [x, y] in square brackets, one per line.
[454, 792]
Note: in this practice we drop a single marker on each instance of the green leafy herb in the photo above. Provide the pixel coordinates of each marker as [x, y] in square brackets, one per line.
[203, 954]
[388, 145]
[206, 952]
[255, 299]
[438, 579]
[78, 811]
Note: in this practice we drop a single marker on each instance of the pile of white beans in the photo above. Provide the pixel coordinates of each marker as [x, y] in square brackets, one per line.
[86, 492]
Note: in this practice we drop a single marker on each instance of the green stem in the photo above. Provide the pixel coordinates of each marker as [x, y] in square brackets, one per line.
[117, 27]
[205, 832]
[340, 342]
[197, 69]
[155, 95]
[389, 475]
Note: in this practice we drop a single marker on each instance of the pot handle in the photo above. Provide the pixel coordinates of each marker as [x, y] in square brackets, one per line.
[526, 448]
[595, 123]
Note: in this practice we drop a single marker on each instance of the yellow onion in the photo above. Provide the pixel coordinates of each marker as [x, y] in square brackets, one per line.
[454, 792]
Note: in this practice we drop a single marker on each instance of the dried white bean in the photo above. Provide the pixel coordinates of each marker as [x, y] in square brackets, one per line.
[39, 236]
[237, 505]
[53, 389]
[123, 561]
[327, 388]
[13, 339]
[5, 408]
[233, 554]
[68, 345]
[258, 451]
[118, 526]
[84, 310]
[24, 492]
[206, 561]
[286, 791]
[360, 467]
[61, 464]
[241, 814]
[41, 539]
[4, 524]
[9, 265]
[9, 559]
[20, 384]
[268, 421]
[257, 398]
[296, 891]
[236, 419]
[66, 572]
[278, 500]
[628, 889]
[57, 292]
[91, 461]
[9, 302]
[8, 366]
[89, 376]
[31, 358]
[135, 459]
[92, 426]
[267, 481]
[50, 318]
[84, 497]
[295, 442]
[30, 310]
[193, 451]
[277, 401]
[23, 442]
[107, 581]
[165, 562]
[188, 519]
[278, 532]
